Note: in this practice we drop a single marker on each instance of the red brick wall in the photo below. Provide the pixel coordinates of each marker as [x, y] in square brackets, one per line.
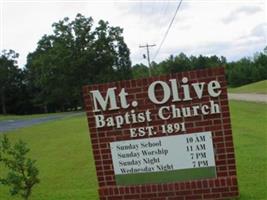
[222, 187]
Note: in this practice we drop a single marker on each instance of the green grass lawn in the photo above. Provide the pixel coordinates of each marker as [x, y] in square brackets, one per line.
[63, 153]
[249, 122]
[258, 87]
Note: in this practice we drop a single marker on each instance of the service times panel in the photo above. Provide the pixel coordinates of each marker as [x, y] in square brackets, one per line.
[179, 154]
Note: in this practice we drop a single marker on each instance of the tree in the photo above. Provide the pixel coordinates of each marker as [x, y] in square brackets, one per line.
[22, 173]
[182, 63]
[240, 72]
[247, 70]
[10, 76]
[74, 55]
[174, 64]
[265, 50]
[140, 71]
[260, 65]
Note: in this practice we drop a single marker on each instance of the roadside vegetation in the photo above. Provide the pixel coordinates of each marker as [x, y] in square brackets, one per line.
[256, 88]
[64, 156]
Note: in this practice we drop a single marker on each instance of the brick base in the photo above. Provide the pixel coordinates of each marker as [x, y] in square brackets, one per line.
[216, 189]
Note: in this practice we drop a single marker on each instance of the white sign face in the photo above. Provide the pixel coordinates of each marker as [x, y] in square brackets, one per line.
[162, 154]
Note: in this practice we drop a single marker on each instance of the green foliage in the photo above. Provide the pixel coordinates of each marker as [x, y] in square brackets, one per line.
[258, 87]
[243, 71]
[77, 53]
[178, 63]
[10, 78]
[140, 71]
[14, 96]
[22, 173]
[247, 70]
[65, 160]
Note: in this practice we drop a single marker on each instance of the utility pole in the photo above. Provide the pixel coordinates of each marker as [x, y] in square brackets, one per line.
[148, 58]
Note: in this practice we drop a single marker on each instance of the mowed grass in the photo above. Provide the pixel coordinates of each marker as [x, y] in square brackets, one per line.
[258, 87]
[249, 123]
[64, 156]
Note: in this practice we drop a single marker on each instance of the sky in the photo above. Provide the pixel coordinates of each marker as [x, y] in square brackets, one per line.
[230, 28]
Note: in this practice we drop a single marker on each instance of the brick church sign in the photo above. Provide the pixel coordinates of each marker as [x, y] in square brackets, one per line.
[166, 137]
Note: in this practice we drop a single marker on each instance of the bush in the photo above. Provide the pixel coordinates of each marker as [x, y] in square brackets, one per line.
[22, 173]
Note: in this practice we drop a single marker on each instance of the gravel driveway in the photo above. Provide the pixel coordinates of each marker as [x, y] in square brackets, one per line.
[8, 125]
[248, 97]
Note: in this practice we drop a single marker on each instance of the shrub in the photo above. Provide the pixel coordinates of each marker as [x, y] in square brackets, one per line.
[22, 174]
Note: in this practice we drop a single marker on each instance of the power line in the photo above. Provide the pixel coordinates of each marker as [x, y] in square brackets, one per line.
[148, 58]
[168, 29]
[162, 21]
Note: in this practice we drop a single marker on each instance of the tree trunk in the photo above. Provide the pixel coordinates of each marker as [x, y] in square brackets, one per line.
[45, 108]
[62, 108]
[3, 102]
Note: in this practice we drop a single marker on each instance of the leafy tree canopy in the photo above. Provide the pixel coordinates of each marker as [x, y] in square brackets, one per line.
[77, 53]
[10, 77]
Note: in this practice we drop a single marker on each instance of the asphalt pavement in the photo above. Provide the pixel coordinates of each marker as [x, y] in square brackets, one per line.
[262, 98]
[9, 125]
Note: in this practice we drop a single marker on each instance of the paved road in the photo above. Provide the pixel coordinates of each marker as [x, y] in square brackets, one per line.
[249, 97]
[8, 125]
